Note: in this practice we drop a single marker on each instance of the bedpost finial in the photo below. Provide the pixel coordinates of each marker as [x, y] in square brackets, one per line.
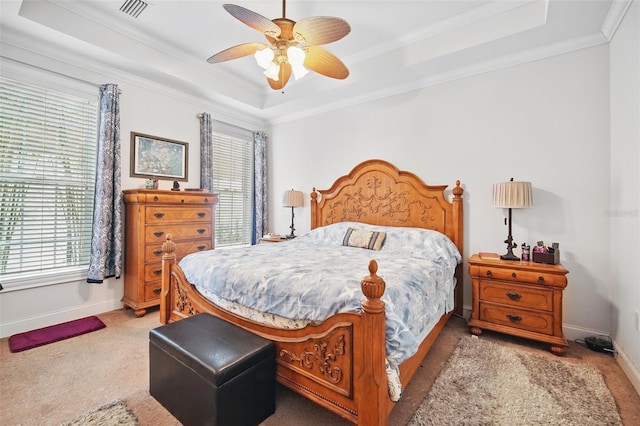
[314, 194]
[168, 247]
[373, 288]
[457, 191]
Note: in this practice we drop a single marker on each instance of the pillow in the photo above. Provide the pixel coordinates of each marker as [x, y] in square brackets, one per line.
[361, 238]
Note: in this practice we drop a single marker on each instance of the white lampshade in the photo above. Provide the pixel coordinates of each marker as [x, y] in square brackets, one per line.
[293, 198]
[264, 57]
[296, 59]
[272, 71]
[512, 195]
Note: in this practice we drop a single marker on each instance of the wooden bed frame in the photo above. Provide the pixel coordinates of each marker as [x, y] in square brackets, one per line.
[340, 363]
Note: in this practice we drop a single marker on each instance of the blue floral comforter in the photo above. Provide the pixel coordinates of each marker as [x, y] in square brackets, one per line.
[314, 276]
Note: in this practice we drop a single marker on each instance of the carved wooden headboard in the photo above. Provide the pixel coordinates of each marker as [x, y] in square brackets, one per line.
[377, 193]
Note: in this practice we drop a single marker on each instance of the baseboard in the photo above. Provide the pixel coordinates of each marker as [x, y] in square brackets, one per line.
[52, 318]
[625, 363]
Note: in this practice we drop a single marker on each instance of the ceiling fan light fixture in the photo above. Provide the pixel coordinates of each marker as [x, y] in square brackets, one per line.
[264, 57]
[296, 59]
[272, 70]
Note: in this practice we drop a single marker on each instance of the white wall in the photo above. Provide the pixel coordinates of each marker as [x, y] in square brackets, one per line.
[625, 189]
[546, 121]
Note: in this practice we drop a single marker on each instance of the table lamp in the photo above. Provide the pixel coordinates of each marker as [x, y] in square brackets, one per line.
[512, 195]
[292, 199]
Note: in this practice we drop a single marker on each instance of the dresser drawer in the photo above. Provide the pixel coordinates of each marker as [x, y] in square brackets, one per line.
[152, 290]
[524, 276]
[165, 214]
[158, 233]
[153, 252]
[152, 272]
[516, 295]
[539, 322]
[151, 197]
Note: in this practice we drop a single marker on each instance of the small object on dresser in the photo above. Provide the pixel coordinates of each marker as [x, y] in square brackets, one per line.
[176, 186]
[544, 254]
[488, 255]
[194, 189]
[526, 251]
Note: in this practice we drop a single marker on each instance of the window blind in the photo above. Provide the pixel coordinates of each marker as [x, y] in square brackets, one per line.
[233, 181]
[48, 145]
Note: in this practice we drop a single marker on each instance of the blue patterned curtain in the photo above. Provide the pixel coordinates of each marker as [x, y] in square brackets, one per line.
[106, 237]
[206, 152]
[259, 186]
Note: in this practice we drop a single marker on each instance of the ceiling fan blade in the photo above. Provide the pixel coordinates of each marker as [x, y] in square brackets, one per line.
[320, 30]
[283, 77]
[324, 62]
[236, 52]
[253, 19]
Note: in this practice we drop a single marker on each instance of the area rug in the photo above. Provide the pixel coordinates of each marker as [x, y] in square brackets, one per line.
[485, 383]
[54, 333]
[115, 413]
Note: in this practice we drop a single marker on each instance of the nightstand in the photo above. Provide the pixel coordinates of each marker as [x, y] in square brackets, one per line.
[519, 298]
[266, 239]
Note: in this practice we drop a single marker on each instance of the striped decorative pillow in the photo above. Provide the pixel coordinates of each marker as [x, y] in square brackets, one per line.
[371, 240]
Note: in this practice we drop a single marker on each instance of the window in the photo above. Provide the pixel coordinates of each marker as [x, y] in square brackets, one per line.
[233, 181]
[48, 145]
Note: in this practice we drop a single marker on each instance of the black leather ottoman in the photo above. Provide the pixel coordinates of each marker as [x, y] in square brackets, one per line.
[206, 371]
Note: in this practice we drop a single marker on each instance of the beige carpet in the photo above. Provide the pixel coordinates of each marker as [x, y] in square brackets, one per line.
[57, 383]
[486, 383]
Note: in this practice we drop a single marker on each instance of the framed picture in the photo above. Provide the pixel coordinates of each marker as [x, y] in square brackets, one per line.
[161, 158]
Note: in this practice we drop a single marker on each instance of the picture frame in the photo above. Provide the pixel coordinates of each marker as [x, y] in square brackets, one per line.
[156, 157]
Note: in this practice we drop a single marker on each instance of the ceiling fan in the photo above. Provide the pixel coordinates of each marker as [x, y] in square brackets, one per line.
[294, 46]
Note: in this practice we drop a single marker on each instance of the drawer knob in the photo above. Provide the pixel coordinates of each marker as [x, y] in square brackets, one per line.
[201, 231]
[513, 275]
[489, 274]
[201, 214]
[155, 198]
[157, 290]
[158, 233]
[157, 252]
[200, 248]
[157, 271]
[159, 215]
[514, 318]
[514, 296]
[540, 279]
[206, 200]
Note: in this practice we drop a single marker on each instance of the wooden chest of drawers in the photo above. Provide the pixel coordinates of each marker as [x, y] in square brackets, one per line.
[149, 216]
[518, 298]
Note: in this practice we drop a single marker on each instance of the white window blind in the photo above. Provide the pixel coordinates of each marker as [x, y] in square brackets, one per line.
[233, 181]
[48, 145]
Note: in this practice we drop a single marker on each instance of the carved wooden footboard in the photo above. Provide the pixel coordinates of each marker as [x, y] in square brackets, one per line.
[338, 364]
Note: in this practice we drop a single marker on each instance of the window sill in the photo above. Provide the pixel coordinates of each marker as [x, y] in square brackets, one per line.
[42, 279]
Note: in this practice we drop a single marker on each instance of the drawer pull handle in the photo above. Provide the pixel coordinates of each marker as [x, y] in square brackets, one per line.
[155, 198]
[157, 271]
[540, 279]
[157, 252]
[201, 231]
[157, 290]
[182, 201]
[159, 215]
[201, 214]
[200, 248]
[513, 275]
[489, 274]
[158, 233]
[206, 200]
[514, 318]
[514, 296]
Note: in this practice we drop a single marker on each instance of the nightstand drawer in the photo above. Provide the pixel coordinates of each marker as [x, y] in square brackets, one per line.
[539, 322]
[523, 276]
[516, 295]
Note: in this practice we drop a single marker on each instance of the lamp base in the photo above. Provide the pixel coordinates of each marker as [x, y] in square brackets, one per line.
[509, 256]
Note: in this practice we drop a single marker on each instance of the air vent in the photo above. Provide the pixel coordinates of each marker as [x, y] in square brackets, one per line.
[133, 7]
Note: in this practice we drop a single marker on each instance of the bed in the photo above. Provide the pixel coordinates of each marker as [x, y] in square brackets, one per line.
[341, 362]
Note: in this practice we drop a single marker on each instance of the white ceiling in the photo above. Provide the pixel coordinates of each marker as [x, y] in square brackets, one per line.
[394, 46]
